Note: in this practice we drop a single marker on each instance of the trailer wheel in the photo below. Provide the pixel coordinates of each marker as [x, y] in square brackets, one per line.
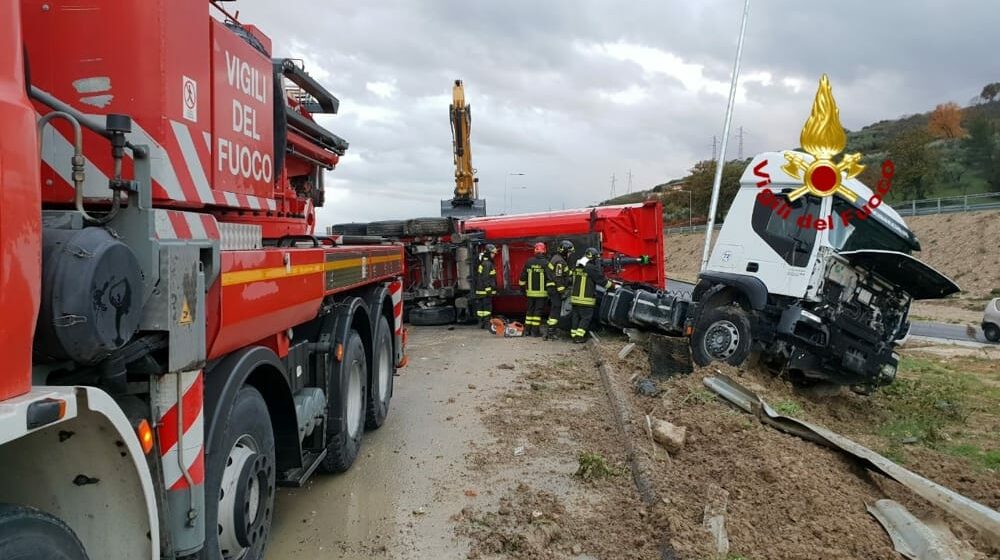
[388, 228]
[239, 482]
[429, 316]
[427, 226]
[27, 533]
[380, 385]
[354, 228]
[721, 335]
[346, 408]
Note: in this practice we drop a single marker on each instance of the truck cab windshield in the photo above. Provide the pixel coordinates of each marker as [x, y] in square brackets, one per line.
[861, 234]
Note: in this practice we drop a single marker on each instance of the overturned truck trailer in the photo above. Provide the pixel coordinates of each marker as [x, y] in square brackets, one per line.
[441, 253]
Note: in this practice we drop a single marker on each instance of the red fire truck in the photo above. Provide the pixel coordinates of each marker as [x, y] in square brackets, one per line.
[176, 339]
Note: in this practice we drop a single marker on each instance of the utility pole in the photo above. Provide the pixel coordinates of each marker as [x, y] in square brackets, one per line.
[612, 185]
[716, 183]
[715, 152]
[629, 190]
[740, 151]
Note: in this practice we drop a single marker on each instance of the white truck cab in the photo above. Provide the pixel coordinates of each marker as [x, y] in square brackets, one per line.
[824, 283]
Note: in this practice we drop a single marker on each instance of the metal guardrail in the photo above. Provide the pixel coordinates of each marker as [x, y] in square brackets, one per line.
[949, 204]
[924, 207]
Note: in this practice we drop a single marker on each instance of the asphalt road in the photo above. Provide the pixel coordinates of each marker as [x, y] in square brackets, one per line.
[944, 331]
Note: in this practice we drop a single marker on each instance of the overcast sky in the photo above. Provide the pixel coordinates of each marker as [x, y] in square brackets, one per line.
[570, 91]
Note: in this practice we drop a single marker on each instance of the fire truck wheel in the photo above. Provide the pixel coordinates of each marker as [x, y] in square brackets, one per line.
[427, 316]
[346, 408]
[239, 484]
[30, 534]
[380, 385]
[991, 332]
[721, 335]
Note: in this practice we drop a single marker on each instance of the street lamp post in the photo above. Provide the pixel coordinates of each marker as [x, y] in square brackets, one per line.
[522, 188]
[506, 208]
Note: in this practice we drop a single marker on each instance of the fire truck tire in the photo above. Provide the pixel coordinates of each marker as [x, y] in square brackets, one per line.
[429, 316]
[239, 482]
[346, 408]
[30, 534]
[721, 335]
[392, 228]
[427, 226]
[349, 229]
[380, 385]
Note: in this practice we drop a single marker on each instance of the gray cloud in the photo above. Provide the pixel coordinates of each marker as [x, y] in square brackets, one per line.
[570, 91]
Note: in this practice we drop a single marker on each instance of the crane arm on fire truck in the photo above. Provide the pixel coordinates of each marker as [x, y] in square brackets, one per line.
[461, 122]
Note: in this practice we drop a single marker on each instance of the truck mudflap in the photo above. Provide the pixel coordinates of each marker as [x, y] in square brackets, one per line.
[636, 307]
[914, 276]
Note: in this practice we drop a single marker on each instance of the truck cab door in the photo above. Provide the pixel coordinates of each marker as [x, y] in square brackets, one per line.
[789, 231]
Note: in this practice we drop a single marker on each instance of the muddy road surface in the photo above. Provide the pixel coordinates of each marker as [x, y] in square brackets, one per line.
[411, 478]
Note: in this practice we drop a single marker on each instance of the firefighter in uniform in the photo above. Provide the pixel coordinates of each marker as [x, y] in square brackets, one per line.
[562, 276]
[485, 284]
[536, 279]
[587, 276]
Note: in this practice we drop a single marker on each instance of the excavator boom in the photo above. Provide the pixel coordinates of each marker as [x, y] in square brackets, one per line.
[466, 201]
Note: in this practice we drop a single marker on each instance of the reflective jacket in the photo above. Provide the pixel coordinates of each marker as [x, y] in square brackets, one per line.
[536, 277]
[485, 279]
[585, 282]
[562, 274]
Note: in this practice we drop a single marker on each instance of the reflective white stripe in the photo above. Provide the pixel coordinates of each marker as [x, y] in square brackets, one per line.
[57, 152]
[196, 225]
[193, 162]
[166, 391]
[254, 202]
[162, 168]
[208, 140]
[193, 440]
[164, 229]
[231, 198]
[271, 204]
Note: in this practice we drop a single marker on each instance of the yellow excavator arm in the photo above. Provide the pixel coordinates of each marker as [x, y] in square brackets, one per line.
[461, 123]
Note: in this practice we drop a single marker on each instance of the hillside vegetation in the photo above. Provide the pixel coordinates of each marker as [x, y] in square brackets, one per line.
[948, 151]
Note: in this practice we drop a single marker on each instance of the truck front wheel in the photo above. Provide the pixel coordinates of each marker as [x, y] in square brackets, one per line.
[30, 534]
[239, 485]
[721, 335]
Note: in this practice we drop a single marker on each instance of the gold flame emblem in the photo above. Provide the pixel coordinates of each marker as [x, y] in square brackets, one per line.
[823, 137]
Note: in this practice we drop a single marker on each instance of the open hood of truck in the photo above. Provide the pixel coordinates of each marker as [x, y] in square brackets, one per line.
[911, 274]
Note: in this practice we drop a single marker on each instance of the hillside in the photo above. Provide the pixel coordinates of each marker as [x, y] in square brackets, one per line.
[948, 151]
[965, 247]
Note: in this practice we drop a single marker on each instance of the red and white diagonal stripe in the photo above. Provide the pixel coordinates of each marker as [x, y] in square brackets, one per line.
[173, 224]
[396, 293]
[193, 428]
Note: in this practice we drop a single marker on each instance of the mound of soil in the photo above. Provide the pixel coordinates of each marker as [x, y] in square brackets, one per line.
[788, 498]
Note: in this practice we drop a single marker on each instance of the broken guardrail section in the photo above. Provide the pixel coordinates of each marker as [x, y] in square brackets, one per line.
[981, 517]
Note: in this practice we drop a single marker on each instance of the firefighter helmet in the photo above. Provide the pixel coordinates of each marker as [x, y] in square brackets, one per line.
[591, 253]
[490, 249]
[540, 248]
[566, 247]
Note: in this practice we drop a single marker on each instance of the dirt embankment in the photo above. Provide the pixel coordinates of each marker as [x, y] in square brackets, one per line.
[788, 498]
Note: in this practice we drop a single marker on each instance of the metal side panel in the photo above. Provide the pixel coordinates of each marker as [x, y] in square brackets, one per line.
[240, 237]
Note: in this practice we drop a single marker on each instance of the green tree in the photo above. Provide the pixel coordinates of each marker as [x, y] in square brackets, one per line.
[982, 149]
[990, 92]
[700, 182]
[915, 164]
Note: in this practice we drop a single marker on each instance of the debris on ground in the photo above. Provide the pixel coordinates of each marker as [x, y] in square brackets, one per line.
[646, 387]
[714, 519]
[671, 437]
